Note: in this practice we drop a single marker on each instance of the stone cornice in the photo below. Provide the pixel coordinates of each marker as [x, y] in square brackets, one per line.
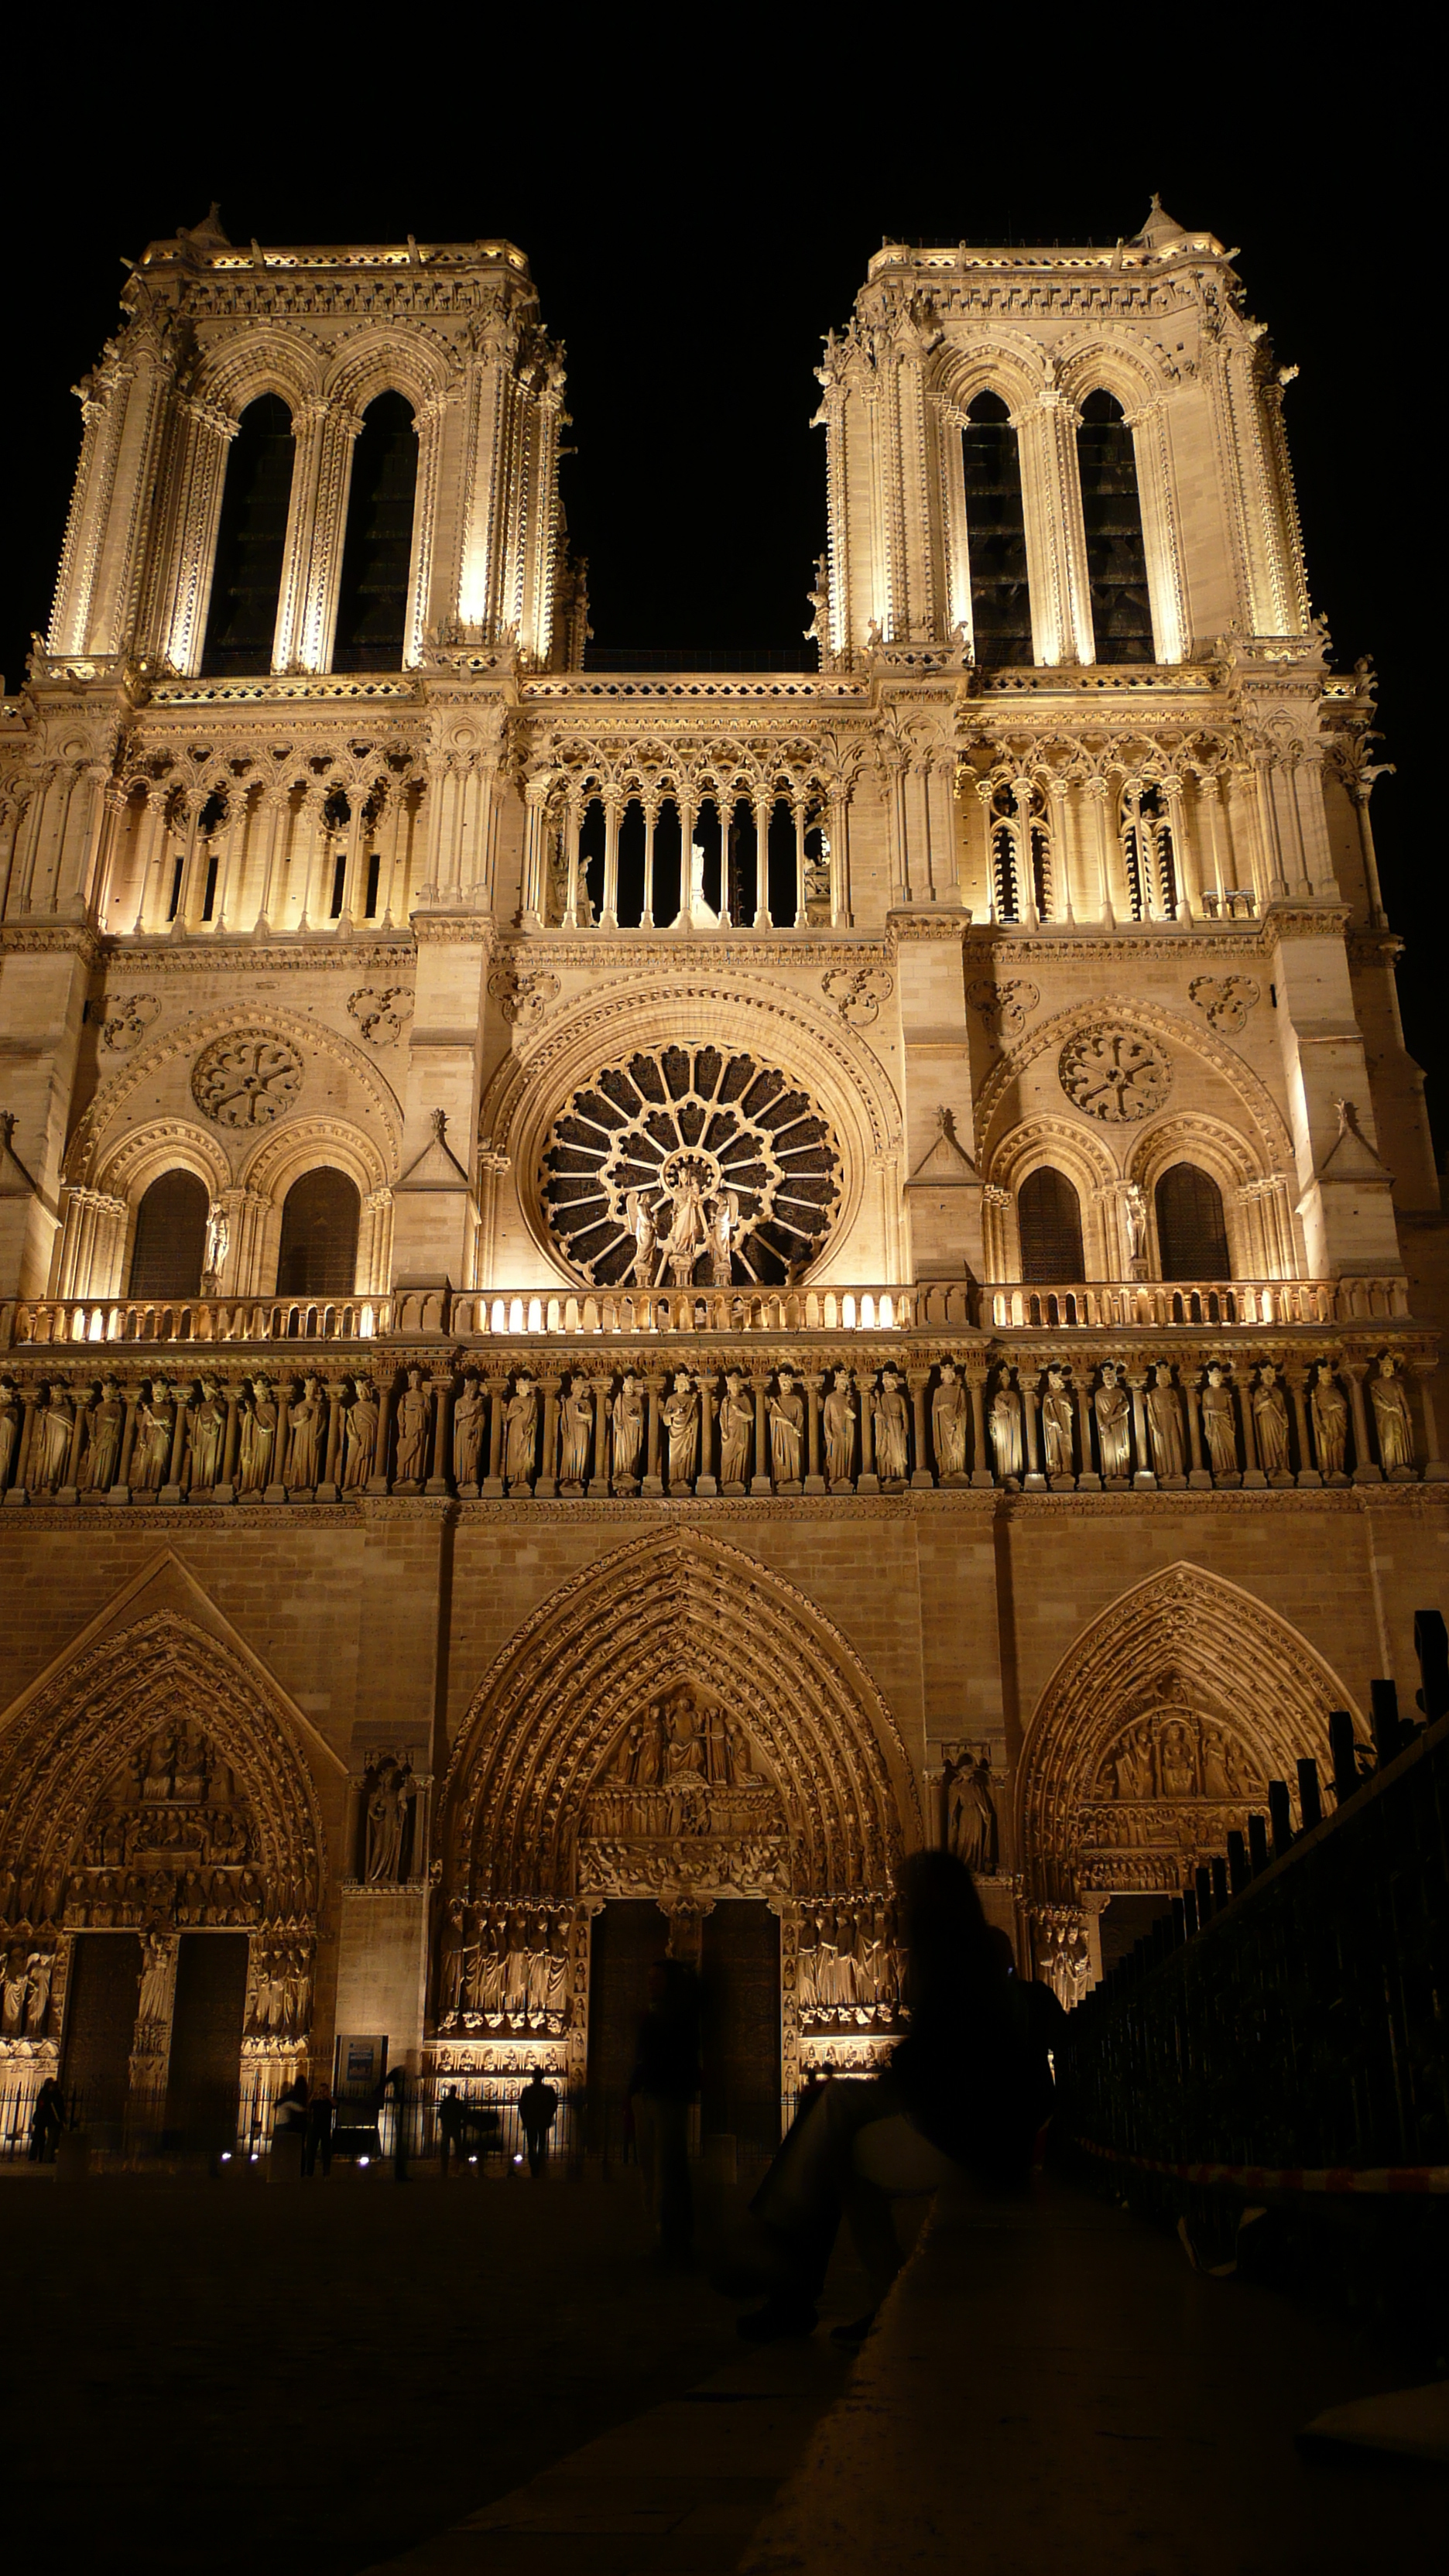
[697, 948]
[246, 956]
[73, 939]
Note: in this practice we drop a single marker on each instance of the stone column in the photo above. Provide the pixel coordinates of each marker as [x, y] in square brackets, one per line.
[706, 1482]
[336, 1390]
[760, 1482]
[224, 1491]
[687, 808]
[547, 1476]
[573, 827]
[814, 1384]
[797, 818]
[497, 1388]
[764, 808]
[1034, 1481]
[1143, 1480]
[867, 1482]
[1197, 1474]
[377, 1482]
[980, 1455]
[121, 1489]
[653, 1388]
[1365, 1469]
[651, 825]
[441, 1382]
[1436, 1469]
[840, 911]
[171, 1491]
[918, 1380]
[601, 1389]
[1089, 1481]
[1252, 1473]
[70, 1490]
[609, 909]
[1296, 1375]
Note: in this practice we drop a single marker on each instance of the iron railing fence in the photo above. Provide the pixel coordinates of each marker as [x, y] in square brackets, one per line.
[1292, 2011]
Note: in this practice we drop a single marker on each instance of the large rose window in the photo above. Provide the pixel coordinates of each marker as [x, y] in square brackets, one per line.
[690, 1166]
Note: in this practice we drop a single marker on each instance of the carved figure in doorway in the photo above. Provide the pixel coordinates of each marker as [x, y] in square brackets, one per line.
[1270, 1422]
[156, 1962]
[948, 1426]
[680, 1416]
[1005, 1426]
[520, 1431]
[50, 1442]
[14, 1987]
[1219, 1426]
[1177, 1759]
[470, 1418]
[414, 1407]
[1391, 1418]
[207, 1436]
[155, 1427]
[108, 1421]
[787, 1430]
[839, 1413]
[258, 1438]
[578, 1433]
[389, 1796]
[1056, 1423]
[627, 1420]
[892, 1429]
[1114, 1426]
[304, 1446]
[40, 1968]
[736, 1422]
[1164, 1423]
[971, 1829]
[1330, 1421]
[360, 1427]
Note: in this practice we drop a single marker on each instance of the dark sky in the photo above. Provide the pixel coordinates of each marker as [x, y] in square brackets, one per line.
[694, 233]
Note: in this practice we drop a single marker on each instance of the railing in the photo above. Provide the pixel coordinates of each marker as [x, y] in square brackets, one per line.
[480, 1314]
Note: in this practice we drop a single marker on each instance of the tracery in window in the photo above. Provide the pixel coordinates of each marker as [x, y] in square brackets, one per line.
[995, 534]
[1147, 853]
[1112, 518]
[372, 600]
[1022, 885]
[1049, 1218]
[318, 1252]
[169, 1246]
[251, 543]
[1192, 1235]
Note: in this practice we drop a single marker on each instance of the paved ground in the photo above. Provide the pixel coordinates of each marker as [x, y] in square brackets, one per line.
[213, 2376]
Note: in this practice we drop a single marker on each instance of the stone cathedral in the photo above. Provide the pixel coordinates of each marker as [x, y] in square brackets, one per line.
[625, 1292]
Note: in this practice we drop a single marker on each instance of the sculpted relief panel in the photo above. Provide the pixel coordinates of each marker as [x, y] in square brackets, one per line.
[1172, 1784]
[683, 1798]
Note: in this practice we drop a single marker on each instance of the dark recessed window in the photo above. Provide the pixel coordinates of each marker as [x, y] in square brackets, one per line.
[372, 601]
[318, 1256]
[170, 1239]
[995, 534]
[251, 542]
[1192, 1237]
[1049, 1215]
[1112, 516]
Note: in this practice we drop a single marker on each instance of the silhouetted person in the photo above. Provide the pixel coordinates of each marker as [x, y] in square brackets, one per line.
[664, 2082]
[958, 2099]
[47, 2119]
[1041, 2019]
[289, 2131]
[537, 2104]
[321, 2121]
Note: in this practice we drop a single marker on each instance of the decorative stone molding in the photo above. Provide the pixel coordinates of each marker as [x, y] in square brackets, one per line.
[1005, 1008]
[857, 996]
[523, 994]
[129, 1022]
[1114, 1074]
[381, 1012]
[1226, 1003]
[245, 1081]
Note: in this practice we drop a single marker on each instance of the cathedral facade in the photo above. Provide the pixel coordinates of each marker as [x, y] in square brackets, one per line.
[624, 1294]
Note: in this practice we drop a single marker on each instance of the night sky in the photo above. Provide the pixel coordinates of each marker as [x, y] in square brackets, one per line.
[694, 235]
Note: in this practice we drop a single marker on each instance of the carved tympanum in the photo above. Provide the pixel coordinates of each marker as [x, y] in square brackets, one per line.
[690, 1164]
[1114, 1074]
[246, 1081]
[171, 1839]
[682, 1794]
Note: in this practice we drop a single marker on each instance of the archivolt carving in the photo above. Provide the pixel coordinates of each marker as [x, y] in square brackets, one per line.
[302, 1144]
[254, 360]
[311, 1038]
[552, 1720]
[1183, 1699]
[1272, 1136]
[160, 1146]
[380, 357]
[60, 1759]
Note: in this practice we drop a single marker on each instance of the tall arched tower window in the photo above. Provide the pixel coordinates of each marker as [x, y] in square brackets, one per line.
[318, 1255]
[1021, 853]
[995, 534]
[1192, 1238]
[1112, 517]
[170, 1240]
[251, 542]
[372, 599]
[1049, 1216]
[1147, 853]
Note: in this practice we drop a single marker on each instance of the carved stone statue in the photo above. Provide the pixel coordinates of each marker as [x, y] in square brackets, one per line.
[971, 1829]
[948, 1426]
[679, 1414]
[520, 1431]
[723, 1215]
[213, 1259]
[640, 1219]
[627, 1419]
[40, 1966]
[688, 1234]
[1219, 1426]
[736, 1422]
[151, 1450]
[1270, 1422]
[14, 1987]
[50, 1440]
[1005, 1427]
[470, 1420]
[787, 1430]
[304, 1445]
[839, 1413]
[258, 1439]
[1114, 1426]
[360, 1423]
[10, 1430]
[1392, 1419]
[207, 1436]
[414, 1407]
[1134, 1213]
[578, 1433]
[1164, 1423]
[154, 2003]
[1056, 1423]
[892, 1429]
[389, 1796]
[1330, 1421]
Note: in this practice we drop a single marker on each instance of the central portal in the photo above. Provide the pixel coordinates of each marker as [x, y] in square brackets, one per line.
[739, 1965]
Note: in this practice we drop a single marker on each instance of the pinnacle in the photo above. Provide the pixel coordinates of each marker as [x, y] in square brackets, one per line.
[208, 230]
[1160, 227]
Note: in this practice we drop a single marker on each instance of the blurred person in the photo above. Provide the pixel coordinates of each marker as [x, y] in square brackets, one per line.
[537, 2104]
[664, 2082]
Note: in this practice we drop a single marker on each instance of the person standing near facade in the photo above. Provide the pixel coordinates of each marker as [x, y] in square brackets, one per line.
[537, 2104]
[47, 2119]
[664, 2082]
[321, 2120]
[289, 2131]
